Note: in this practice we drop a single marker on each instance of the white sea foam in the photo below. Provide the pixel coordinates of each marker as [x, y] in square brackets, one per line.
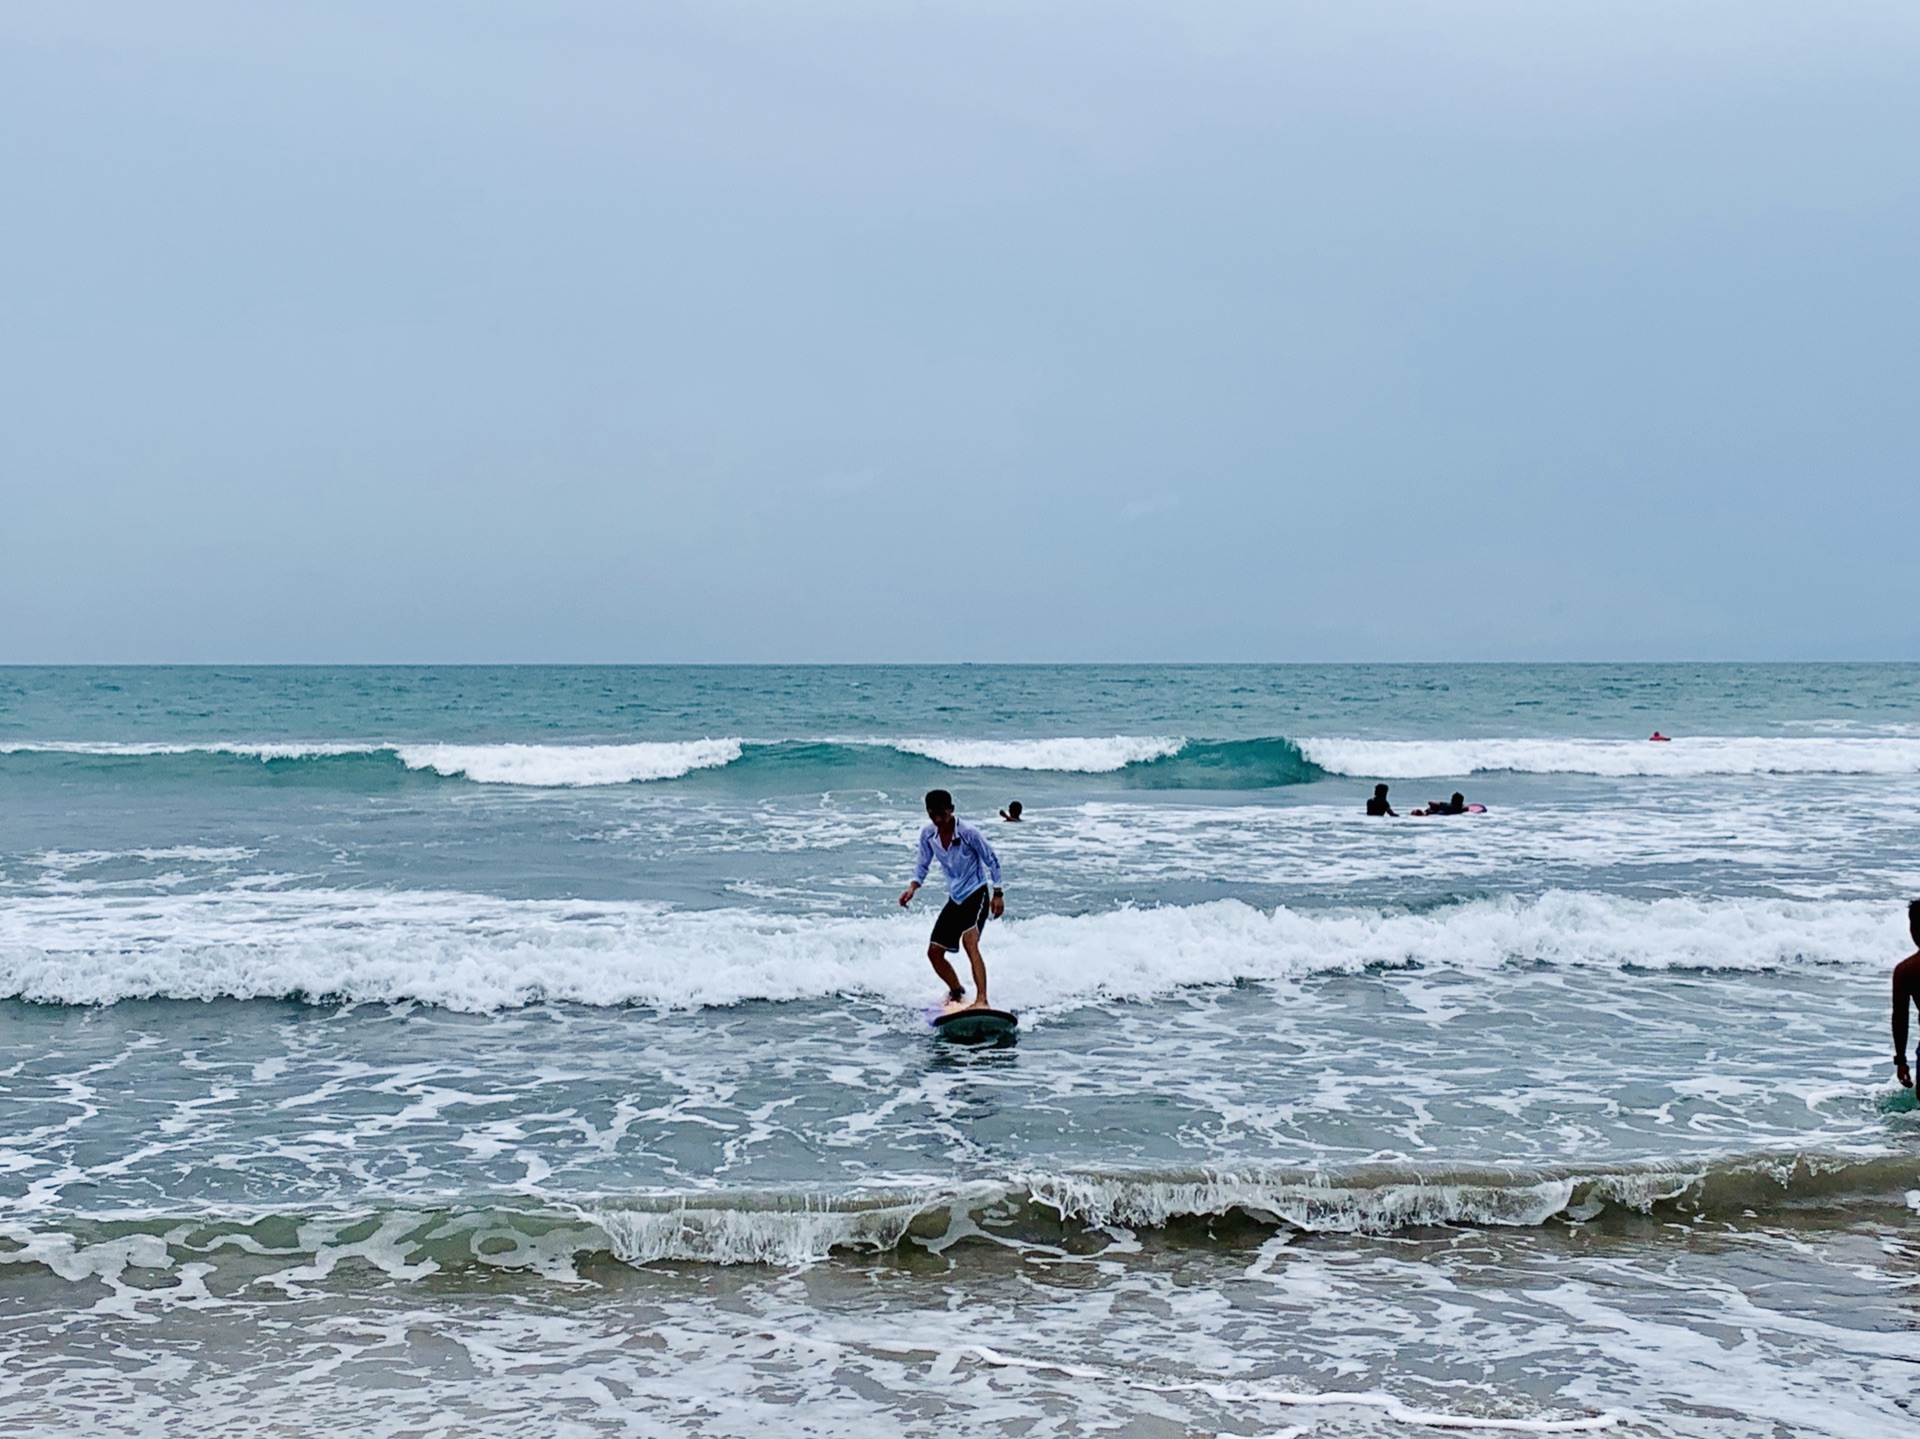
[580, 764]
[1689, 755]
[535, 765]
[1069, 753]
[736, 1229]
[244, 749]
[1242, 1394]
[1315, 1207]
[474, 952]
[572, 765]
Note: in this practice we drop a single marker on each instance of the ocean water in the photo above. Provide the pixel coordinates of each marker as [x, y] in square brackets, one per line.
[541, 1051]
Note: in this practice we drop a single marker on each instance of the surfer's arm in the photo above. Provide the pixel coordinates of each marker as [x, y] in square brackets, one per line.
[919, 870]
[1906, 984]
[991, 860]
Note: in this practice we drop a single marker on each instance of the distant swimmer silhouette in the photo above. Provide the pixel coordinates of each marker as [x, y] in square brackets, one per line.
[1657, 738]
[1011, 814]
[1457, 805]
[1378, 804]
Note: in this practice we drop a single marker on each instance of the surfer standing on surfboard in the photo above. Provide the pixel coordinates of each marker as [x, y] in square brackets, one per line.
[1906, 990]
[968, 860]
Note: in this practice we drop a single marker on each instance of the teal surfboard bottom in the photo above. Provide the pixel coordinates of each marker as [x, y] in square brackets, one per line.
[976, 1026]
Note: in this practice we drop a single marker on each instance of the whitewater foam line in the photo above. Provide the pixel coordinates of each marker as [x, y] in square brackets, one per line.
[1388, 1404]
[242, 749]
[1066, 755]
[543, 766]
[1314, 1205]
[1387, 1199]
[1679, 758]
[795, 1229]
[789, 1231]
[570, 766]
[586, 764]
[1150, 759]
[478, 952]
[551, 766]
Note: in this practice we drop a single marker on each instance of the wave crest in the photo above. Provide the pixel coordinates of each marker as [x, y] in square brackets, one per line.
[547, 766]
[1142, 761]
[1681, 758]
[547, 1234]
[1068, 754]
[476, 952]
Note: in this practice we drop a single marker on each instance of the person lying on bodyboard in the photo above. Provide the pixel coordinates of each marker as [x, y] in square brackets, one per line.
[1457, 805]
[967, 860]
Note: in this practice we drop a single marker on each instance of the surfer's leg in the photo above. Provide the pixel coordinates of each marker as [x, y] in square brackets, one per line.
[971, 939]
[937, 957]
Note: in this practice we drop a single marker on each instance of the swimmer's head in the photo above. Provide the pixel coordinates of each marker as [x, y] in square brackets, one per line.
[1013, 808]
[1458, 798]
[1379, 791]
[1913, 920]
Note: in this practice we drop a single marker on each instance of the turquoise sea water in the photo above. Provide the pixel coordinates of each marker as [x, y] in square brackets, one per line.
[542, 1051]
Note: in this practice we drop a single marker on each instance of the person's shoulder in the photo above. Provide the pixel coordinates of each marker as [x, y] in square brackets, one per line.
[1908, 968]
[929, 828]
[960, 826]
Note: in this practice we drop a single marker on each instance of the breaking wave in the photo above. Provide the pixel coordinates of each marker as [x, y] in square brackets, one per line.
[550, 1235]
[475, 952]
[534, 765]
[1140, 761]
[1147, 760]
[1679, 758]
[1070, 755]
[567, 766]
[723, 1228]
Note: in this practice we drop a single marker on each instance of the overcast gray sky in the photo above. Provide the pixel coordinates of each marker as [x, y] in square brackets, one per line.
[557, 330]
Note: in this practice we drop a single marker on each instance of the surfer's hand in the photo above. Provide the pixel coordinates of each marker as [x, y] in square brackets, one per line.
[907, 898]
[999, 906]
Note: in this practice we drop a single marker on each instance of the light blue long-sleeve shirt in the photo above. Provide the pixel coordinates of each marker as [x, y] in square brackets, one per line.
[967, 861]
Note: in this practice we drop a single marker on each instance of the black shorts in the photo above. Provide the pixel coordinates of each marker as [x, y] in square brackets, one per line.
[961, 915]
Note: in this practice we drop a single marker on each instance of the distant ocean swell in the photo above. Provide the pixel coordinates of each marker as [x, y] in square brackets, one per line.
[1145, 761]
[550, 1235]
[477, 953]
[1151, 761]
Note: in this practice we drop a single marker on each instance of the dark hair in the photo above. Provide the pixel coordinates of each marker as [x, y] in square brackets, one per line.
[938, 801]
[1013, 806]
[1379, 789]
[1913, 920]
[1459, 798]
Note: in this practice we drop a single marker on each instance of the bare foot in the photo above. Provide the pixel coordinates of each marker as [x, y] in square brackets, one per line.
[954, 1006]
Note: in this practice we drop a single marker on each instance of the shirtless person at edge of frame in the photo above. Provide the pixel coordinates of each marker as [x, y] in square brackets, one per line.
[1906, 990]
[968, 860]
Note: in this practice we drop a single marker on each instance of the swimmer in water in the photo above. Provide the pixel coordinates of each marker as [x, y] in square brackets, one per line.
[1657, 738]
[1378, 804]
[1906, 990]
[1456, 805]
[1011, 814]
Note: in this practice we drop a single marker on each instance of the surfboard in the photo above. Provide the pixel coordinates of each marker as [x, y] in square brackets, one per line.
[976, 1026]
